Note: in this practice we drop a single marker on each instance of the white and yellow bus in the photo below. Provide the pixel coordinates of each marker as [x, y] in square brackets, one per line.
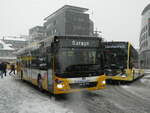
[63, 64]
[121, 61]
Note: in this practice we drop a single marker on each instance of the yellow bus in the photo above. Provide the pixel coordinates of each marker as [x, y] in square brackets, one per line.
[121, 61]
[63, 64]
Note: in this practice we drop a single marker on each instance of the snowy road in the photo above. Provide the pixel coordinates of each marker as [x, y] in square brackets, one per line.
[20, 97]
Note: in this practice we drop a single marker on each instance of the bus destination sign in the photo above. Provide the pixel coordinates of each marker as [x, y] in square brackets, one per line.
[79, 43]
[115, 45]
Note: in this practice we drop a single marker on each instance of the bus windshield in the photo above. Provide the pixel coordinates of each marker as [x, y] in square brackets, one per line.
[78, 60]
[115, 58]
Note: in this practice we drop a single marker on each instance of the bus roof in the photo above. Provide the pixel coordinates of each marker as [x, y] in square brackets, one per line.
[49, 40]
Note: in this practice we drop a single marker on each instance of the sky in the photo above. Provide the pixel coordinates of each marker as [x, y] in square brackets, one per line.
[118, 20]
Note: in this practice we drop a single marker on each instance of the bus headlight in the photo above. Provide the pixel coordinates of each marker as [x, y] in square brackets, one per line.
[59, 86]
[104, 82]
[124, 75]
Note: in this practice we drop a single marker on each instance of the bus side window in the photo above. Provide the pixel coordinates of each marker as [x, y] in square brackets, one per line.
[133, 58]
[42, 63]
[35, 63]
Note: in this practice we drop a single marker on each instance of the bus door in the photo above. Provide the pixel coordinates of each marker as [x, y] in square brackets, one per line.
[29, 69]
[50, 71]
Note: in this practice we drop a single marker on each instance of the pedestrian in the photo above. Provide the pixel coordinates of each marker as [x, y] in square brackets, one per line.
[1, 70]
[12, 67]
[4, 68]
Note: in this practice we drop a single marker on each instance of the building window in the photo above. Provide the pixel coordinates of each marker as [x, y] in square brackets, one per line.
[1, 46]
[146, 36]
[54, 23]
[149, 26]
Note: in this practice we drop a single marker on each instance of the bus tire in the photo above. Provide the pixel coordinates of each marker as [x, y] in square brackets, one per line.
[133, 76]
[21, 77]
[39, 82]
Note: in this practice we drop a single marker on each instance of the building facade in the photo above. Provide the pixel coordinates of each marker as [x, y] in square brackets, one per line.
[16, 42]
[6, 52]
[145, 38]
[69, 20]
[9, 45]
[37, 33]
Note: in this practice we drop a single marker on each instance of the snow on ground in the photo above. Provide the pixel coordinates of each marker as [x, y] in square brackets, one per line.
[139, 92]
[147, 71]
[140, 89]
[146, 79]
[20, 97]
[41, 107]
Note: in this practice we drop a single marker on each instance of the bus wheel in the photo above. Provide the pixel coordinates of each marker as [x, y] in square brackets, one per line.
[21, 75]
[39, 81]
[133, 76]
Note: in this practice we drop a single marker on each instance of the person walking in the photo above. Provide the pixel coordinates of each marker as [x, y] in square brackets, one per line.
[1, 70]
[4, 68]
[12, 67]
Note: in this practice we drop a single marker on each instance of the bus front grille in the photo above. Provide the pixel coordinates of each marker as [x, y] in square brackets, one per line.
[83, 85]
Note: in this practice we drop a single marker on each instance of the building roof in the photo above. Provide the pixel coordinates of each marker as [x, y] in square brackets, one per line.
[35, 27]
[68, 7]
[146, 9]
[5, 46]
[12, 38]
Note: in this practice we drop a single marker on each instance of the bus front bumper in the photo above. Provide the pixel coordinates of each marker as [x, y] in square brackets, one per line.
[100, 83]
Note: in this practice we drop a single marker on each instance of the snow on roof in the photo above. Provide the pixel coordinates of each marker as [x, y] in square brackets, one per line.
[8, 58]
[5, 46]
[14, 38]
